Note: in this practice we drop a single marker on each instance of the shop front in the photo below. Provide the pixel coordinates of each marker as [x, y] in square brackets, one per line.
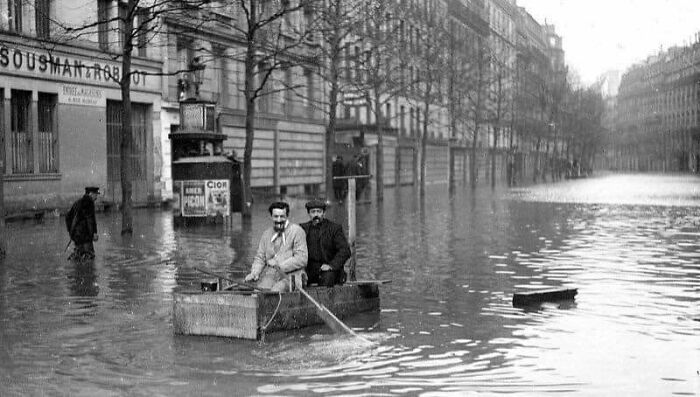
[61, 117]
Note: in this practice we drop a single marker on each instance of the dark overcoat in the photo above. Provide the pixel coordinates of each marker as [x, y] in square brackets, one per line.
[80, 220]
[335, 250]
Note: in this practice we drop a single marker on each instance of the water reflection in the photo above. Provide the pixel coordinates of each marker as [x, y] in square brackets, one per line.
[447, 324]
[83, 281]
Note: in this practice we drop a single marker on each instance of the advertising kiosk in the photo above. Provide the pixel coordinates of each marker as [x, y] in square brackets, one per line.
[206, 182]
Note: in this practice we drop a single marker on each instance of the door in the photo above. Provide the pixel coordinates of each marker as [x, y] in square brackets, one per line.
[137, 158]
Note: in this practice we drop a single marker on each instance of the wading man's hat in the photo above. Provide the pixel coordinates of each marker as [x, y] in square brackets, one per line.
[92, 189]
[316, 203]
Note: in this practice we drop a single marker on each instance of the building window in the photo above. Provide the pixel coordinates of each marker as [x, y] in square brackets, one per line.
[387, 115]
[42, 18]
[264, 85]
[21, 133]
[142, 30]
[102, 27]
[48, 137]
[288, 87]
[123, 11]
[14, 15]
[310, 90]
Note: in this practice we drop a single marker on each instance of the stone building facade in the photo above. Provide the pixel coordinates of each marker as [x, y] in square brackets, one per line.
[658, 113]
[60, 101]
[59, 110]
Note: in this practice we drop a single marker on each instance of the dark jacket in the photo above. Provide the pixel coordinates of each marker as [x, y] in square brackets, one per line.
[80, 220]
[334, 248]
[339, 170]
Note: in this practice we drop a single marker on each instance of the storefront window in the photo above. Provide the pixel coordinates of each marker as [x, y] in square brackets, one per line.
[21, 142]
[48, 138]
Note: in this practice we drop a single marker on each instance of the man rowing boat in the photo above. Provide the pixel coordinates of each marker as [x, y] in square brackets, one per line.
[282, 253]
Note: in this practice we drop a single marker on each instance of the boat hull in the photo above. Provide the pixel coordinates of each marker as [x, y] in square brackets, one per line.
[247, 315]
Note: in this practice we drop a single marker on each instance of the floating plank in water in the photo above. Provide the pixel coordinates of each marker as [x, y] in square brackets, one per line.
[529, 298]
[246, 314]
[368, 282]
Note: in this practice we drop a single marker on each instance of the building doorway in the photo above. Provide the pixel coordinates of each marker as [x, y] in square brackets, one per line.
[140, 132]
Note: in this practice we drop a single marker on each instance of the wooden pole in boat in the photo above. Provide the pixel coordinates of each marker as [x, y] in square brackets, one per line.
[352, 231]
[326, 315]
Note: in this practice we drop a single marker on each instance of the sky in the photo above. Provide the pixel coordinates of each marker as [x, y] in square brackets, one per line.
[602, 35]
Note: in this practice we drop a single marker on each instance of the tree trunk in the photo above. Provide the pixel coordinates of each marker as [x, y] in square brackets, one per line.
[536, 166]
[249, 92]
[555, 155]
[493, 157]
[330, 131]
[423, 147]
[451, 168]
[472, 160]
[3, 242]
[126, 135]
[334, 63]
[380, 147]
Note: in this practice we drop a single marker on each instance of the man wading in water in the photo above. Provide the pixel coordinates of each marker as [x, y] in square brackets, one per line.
[82, 226]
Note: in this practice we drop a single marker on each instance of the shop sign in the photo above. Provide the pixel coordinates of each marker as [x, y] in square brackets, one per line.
[37, 63]
[82, 95]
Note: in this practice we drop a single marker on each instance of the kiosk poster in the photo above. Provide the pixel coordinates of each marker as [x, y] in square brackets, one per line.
[218, 197]
[193, 198]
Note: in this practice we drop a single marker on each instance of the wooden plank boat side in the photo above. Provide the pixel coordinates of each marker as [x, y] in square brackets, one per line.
[215, 313]
[295, 311]
[232, 314]
[528, 298]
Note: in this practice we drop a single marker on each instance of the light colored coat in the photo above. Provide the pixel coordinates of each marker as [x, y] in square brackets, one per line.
[291, 257]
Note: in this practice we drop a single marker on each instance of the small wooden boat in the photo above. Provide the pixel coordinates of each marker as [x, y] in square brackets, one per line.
[249, 314]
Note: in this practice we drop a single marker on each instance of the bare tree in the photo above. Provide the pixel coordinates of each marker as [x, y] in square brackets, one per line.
[500, 96]
[432, 64]
[267, 47]
[477, 99]
[335, 25]
[456, 73]
[135, 23]
[378, 64]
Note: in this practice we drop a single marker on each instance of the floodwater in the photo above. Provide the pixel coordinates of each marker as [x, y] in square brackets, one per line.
[447, 326]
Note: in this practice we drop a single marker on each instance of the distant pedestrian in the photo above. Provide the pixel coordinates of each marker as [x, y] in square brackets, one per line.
[340, 186]
[82, 226]
[358, 167]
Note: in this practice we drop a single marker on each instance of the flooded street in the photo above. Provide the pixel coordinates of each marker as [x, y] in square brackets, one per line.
[629, 243]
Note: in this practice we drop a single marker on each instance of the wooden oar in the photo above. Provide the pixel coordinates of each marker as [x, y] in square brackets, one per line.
[222, 277]
[326, 315]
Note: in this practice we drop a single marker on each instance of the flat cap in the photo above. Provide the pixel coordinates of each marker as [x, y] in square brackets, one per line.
[316, 203]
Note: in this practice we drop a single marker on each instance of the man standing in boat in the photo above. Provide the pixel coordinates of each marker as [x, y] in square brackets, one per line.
[327, 245]
[82, 226]
[282, 253]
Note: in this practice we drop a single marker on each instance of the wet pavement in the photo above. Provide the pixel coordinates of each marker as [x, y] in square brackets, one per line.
[629, 243]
